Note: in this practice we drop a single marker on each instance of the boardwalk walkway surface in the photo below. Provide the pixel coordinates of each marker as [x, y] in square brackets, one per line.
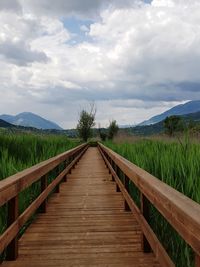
[85, 224]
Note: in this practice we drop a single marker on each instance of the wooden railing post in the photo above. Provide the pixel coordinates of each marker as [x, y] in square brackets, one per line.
[110, 161]
[126, 185]
[144, 205]
[70, 160]
[117, 170]
[197, 260]
[73, 157]
[112, 165]
[44, 183]
[108, 158]
[13, 212]
[66, 164]
[57, 189]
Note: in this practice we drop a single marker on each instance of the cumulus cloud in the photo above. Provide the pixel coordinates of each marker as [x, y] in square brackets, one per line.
[11, 5]
[86, 8]
[136, 56]
[16, 36]
[20, 54]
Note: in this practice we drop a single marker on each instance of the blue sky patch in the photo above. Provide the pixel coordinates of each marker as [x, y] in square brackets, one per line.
[74, 25]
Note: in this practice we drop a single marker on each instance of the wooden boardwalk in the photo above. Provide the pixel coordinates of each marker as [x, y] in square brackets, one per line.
[85, 224]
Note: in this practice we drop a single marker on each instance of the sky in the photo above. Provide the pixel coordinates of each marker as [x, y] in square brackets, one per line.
[132, 58]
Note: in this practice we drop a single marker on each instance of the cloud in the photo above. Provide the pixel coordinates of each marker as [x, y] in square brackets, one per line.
[84, 28]
[20, 54]
[62, 7]
[10, 5]
[135, 57]
[87, 8]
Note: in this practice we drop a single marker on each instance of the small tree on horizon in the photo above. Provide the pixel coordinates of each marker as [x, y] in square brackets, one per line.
[86, 122]
[112, 129]
[173, 124]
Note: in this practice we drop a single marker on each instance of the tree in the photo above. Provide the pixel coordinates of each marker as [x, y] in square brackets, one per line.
[86, 122]
[102, 133]
[112, 129]
[173, 124]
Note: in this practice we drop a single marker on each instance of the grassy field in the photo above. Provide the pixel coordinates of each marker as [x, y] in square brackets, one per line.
[20, 151]
[178, 165]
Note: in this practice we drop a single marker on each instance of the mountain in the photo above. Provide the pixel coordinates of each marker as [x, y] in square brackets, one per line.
[189, 107]
[195, 117]
[147, 130]
[28, 119]
[158, 128]
[5, 124]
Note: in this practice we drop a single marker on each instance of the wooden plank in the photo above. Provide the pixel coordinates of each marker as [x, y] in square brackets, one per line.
[144, 207]
[43, 206]
[88, 228]
[13, 210]
[126, 185]
[180, 211]
[12, 231]
[156, 246]
[197, 260]
[14, 184]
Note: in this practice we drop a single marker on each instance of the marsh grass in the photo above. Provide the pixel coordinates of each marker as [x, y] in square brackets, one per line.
[20, 151]
[177, 164]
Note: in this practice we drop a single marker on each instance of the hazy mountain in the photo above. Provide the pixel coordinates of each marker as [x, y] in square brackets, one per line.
[5, 124]
[193, 116]
[189, 107]
[158, 127]
[28, 119]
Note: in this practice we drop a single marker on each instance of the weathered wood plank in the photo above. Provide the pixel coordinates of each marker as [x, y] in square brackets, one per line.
[13, 210]
[156, 246]
[85, 225]
[13, 229]
[11, 186]
[180, 211]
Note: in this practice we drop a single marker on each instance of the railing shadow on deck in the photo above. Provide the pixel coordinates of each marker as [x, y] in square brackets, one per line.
[182, 213]
[11, 187]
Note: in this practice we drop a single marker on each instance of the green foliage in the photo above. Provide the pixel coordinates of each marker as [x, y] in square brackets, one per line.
[93, 143]
[112, 129]
[103, 136]
[102, 133]
[173, 124]
[178, 165]
[85, 123]
[20, 151]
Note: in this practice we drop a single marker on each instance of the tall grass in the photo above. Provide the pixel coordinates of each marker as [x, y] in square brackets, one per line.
[20, 151]
[178, 165]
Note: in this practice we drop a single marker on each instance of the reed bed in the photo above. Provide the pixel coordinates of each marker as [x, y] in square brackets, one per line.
[19, 151]
[178, 165]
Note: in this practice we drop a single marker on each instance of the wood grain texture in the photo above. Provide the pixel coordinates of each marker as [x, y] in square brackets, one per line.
[11, 232]
[154, 242]
[180, 211]
[85, 224]
[13, 185]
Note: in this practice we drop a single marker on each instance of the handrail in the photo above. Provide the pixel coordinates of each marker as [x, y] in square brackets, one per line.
[180, 211]
[13, 185]
[16, 183]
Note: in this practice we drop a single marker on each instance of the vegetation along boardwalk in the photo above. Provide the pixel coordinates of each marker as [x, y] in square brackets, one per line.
[91, 220]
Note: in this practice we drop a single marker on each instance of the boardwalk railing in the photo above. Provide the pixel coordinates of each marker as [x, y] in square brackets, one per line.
[181, 212]
[11, 187]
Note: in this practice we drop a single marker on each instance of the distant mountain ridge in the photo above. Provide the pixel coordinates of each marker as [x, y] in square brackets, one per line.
[5, 124]
[28, 119]
[187, 108]
[158, 128]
